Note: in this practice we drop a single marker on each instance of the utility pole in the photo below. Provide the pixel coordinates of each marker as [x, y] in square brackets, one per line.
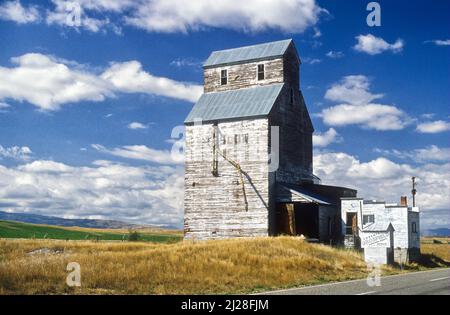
[414, 190]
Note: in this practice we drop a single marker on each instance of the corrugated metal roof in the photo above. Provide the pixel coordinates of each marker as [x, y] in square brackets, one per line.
[309, 196]
[250, 102]
[255, 52]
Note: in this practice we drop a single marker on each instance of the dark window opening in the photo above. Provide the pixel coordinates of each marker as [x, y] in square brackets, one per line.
[414, 227]
[368, 219]
[261, 74]
[224, 77]
[291, 97]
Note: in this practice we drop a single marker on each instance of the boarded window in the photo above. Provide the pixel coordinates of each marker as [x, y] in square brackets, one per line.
[261, 72]
[224, 77]
[370, 218]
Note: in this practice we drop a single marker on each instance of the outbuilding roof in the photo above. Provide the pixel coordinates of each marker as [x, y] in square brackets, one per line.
[242, 103]
[309, 196]
[247, 53]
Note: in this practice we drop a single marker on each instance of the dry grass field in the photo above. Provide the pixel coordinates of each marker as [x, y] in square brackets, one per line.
[437, 248]
[227, 266]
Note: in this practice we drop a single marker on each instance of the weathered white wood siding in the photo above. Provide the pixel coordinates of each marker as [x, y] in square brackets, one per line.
[214, 206]
[244, 75]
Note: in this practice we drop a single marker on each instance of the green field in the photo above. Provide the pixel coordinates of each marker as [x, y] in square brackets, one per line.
[12, 229]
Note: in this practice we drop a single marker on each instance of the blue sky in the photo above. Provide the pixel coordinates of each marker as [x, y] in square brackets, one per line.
[104, 153]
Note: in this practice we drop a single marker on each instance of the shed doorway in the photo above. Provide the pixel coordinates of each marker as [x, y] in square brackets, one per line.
[286, 219]
[307, 219]
[298, 219]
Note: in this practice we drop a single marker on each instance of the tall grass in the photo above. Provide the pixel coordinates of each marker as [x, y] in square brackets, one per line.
[227, 266]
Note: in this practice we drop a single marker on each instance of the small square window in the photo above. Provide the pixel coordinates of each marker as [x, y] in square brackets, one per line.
[368, 219]
[224, 77]
[261, 75]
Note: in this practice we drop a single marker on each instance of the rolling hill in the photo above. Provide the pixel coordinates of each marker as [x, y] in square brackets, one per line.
[13, 229]
[48, 220]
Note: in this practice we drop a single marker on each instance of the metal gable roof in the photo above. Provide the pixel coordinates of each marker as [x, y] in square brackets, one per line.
[242, 103]
[255, 52]
[307, 195]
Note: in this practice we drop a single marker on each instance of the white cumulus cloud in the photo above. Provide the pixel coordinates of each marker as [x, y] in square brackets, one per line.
[433, 126]
[168, 16]
[326, 138]
[48, 82]
[129, 77]
[431, 153]
[14, 11]
[106, 190]
[357, 106]
[352, 89]
[137, 125]
[373, 45]
[16, 153]
[253, 15]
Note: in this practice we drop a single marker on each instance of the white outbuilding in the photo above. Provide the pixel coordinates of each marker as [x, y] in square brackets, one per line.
[386, 232]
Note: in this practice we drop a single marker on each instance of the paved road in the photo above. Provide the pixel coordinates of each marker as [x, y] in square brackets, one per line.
[435, 282]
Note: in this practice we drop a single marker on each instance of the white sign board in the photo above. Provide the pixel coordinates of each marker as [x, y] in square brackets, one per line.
[375, 239]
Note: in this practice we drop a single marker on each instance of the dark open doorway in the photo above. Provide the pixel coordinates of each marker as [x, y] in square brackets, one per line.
[307, 219]
[297, 219]
[285, 219]
[352, 224]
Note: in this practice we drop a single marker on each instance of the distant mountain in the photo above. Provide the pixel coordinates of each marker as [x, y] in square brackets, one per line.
[437, 232]
[87, 223]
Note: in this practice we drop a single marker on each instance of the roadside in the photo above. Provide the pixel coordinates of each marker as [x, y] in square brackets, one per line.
[436, 282]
